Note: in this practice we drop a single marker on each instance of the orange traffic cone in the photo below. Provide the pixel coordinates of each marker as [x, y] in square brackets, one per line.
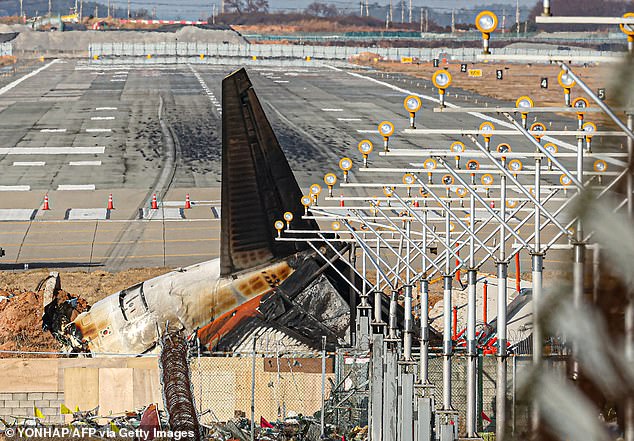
[46, 207]
[188, 203]
[341, 202]
[110, 203]
[416, 204]
[154, 203]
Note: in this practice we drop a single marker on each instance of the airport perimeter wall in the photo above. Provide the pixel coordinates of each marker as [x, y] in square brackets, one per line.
[126, 384]
[211, 50]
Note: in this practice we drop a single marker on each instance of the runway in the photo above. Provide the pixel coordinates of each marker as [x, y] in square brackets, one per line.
[79, 133]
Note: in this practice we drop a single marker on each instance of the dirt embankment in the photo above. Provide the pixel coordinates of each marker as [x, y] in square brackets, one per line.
[22, 304]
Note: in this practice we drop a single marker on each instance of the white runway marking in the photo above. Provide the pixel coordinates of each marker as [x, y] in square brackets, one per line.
[114, 80]
[53, 131]
[29, 164]
[98, 130]
[162, 213]
[51, 150]
[332, 110]
[368, 131]
[101, 118]
[15, 188]
[75, 187]
[348, 119]
[105, 108]
[280, 81]
[81, 163]
[87, 214]
[17, 214]
[10, 86]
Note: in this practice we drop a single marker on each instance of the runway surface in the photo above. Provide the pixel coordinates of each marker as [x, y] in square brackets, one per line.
[79, 133]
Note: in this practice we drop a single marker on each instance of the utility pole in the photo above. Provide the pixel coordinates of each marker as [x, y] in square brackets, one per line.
[21, 9]
[97, 11]
[129, 10]
[421, 20]
[50, 7]
[503, 21]
[390, 14]
[213, 13]
[367, 8]
[453, 21]
[81, 10]
[108, 8]
[402, 11]
[361, 5]
[222, 6]
[410, 11]
[426, 20]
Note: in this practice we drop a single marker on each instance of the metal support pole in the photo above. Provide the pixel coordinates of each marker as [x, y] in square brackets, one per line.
[323, 387]
[629, 309]
[472, 352]
[502, 269]
[578, 275]
[253, 392]
[447, 341]
[408, 318]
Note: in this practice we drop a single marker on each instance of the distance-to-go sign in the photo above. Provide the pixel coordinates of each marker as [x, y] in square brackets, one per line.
[628, 29]
[538, 130]
[486, 22]
[487, 179]
[473, 165]
[600, 166]
[429, 164]
[565, 180]
[441, 79]
[345, 164]
[412, 103]
[365, 147]
[457, 147]
[565, 80]
[386, 129]
[330, 179]
[476, 73]
[409, 179]
[515, 165]
[543, 83]
[306, 201]
[499, 74]
[315, 189]
[524, 102]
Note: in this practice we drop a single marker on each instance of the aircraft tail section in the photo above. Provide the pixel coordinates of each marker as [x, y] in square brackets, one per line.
[258, 185]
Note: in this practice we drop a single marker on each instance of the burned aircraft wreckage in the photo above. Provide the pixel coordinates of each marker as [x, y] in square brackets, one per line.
[258, 284]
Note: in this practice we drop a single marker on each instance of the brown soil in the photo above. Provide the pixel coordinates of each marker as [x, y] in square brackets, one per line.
[519, 79]
[91, 286]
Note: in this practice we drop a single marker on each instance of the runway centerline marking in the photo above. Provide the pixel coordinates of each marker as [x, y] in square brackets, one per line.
[332, 110]
[53, 131]
[98, 130]
[105, 108]
[15, 188]
[101, 118]
[348, 119]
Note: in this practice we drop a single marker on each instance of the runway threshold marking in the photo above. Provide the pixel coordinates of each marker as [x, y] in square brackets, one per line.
[12, 85]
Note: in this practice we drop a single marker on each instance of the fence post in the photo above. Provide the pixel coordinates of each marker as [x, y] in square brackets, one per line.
[323, 386]
[253, 392]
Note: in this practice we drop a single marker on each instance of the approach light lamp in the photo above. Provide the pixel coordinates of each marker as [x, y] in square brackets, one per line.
[345, 164]
[409, 180]
[565, 181]
[590, 129]
[515, 165]
[279, 226]
[461, 192]
[315, 190]
[386, 129]
[552, 149]
[365, 147]
[447, 180]
[600, 166]
[412, 104]
[473, 165]
[336, 225]
[628, 29]
[567, 82]
[442, 80]
[486, 22]
[487, 180]
[457, 147]
[306, 201]
[388, 191]
[452, 227]
[503, 148]
[429, 164]
[538, 130]
[423, 192]
[580, 105]
[330, 179]
[288, 217]
[511, 203]
[524, 102]
[486, 130]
